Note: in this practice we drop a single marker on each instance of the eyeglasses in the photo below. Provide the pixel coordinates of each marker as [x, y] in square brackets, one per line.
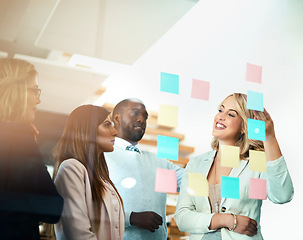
[36, 91]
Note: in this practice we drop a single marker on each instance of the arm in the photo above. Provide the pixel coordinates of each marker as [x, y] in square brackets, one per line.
[70, 184]
[179, 172]
[25, 183]
[190, 220]
[279, 184]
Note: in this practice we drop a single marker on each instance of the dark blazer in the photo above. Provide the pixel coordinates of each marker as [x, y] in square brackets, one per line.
[27, 193]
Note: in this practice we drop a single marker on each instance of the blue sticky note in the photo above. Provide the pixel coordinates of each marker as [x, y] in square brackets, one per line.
[169, 83]
[255, 101]
[256, 129]
[230, 187]
[168, 147]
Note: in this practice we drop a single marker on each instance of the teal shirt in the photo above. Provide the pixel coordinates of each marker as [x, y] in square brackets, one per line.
[134, 175]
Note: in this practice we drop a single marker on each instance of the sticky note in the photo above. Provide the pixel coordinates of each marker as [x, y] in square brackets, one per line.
[197, 185]
[257, 161]
[230, 187]
[255, 101]
[230, 156]
[253, 73]
[169, 83]
[256, 129]
[168, 115]
[257, 189]
[166, 180]
[168, 147]
[200, 89]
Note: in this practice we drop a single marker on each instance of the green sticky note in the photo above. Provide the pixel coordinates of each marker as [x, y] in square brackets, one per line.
[169, 83]
[256, 129]
[168, 147]
[255, 101]
[230, 187]
[197, 185]
[230, 156]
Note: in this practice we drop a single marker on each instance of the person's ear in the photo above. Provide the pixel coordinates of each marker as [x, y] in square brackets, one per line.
[117, 120]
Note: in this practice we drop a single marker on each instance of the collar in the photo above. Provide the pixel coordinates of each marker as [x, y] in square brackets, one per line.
[121, 143]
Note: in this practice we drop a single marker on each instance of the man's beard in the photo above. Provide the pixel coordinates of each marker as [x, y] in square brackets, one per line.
[131, 134]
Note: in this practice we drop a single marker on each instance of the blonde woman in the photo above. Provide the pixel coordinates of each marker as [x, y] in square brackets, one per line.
[227, 218]
[27, 192]
[92, 206]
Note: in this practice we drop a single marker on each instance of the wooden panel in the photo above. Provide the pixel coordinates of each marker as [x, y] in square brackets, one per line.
[182, 148]
[164, 132]
[170, 209]
[181, 160]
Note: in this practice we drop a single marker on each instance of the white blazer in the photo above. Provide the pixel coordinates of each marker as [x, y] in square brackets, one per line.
[73, 184]
[193, 213]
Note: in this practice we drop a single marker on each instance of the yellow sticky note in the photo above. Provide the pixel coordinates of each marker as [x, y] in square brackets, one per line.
[197, 185]
[168, 115]
[230, 156]
[257, 161]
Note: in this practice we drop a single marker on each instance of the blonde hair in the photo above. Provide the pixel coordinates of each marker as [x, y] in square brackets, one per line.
[15, 75]
[243, 142]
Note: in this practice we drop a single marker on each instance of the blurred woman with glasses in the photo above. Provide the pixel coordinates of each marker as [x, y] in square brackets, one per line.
[27, 193]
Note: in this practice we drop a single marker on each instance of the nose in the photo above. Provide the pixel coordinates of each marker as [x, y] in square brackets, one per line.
[221, 116]
[141, 119]
[114, 131]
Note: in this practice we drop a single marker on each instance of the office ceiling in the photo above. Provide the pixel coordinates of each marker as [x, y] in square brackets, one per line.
[49, 32]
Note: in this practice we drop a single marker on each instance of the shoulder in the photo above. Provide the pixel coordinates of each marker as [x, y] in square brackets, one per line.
[203, 157]
[200, 159]
[72, 166]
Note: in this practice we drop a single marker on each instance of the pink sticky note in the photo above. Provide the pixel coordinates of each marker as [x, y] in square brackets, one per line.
[253, 73]
[200, 89]
[257, 188]
[166, 181]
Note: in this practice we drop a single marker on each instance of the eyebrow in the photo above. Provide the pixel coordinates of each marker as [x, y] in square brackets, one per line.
[137, 109]
[230, 109]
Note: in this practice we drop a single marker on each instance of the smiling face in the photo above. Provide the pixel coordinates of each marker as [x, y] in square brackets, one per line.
[106, 136]
[132, 122]
[32, 101]
[227, 124]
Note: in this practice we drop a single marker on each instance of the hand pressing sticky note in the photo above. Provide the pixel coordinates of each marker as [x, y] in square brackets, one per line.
[197, 185]
[200, 89]
[257, 161]
[166, 181]
[257, 189]
[256, 129]
[255, 101]
[169, 83]
[230, 187]
[253, 73]
[230, 156]
[168, 115]
[168, 147]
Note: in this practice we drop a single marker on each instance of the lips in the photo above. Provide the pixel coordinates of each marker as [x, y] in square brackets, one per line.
[136, 127]
[220, 126]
